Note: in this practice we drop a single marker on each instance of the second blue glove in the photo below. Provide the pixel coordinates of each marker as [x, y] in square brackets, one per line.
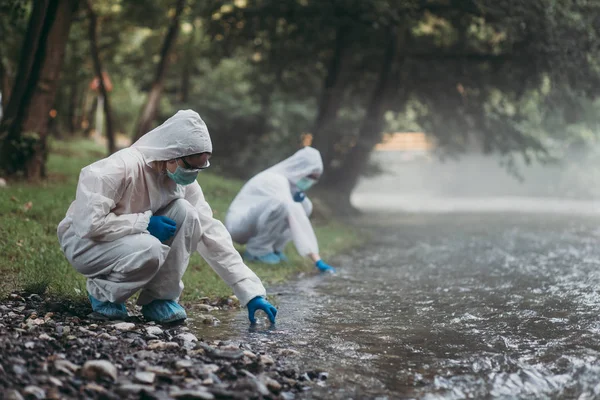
[259, 303]
[161, 227]
[324, 267]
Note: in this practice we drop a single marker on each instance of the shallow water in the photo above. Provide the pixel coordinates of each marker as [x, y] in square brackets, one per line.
[449, 307]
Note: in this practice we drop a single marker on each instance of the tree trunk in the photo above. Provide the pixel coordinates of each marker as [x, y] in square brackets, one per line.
[93, 27]
[343, 180]
[25, 127]
[150, 109]
[331, 97]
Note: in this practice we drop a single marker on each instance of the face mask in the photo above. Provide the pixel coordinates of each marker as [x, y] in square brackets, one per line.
[183, 176]
[305, 183]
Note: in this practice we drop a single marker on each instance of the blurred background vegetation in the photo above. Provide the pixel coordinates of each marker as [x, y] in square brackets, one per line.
[516, 78]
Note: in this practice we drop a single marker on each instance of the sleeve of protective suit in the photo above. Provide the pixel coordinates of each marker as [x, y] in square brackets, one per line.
[216, 247]
[99, 189]
[303, 234]
[307, 205]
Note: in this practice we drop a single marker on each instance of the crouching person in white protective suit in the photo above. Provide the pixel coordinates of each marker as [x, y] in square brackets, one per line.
[138, 216]
[272, 209]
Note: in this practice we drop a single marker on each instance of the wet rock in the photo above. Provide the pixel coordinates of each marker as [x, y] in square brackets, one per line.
[97, 369]
[29, 345]
[217, 353]
[187, 337]
[266, 360]
[160, 371]
[250, 354]
[13, 395]
[192, 395]
[205, 307]
[66, 367]
[145, 377]
[124, 326]
[55, 381]
[271, 384]
[288, 396]
[45, 336]
[93, 387]
[154, 330]
[251, 384]
[183, 364]
[133, 388]
[19, 370]
[106, 336]
[34, 392]
[160, 345]
[288, 352]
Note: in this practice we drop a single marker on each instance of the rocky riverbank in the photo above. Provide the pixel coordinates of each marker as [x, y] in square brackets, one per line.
[54, 350]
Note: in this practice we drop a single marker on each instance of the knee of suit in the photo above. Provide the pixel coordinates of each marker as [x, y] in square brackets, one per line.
[183, 212]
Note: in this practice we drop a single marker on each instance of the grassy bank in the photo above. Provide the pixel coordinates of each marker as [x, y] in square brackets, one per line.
[31, 259]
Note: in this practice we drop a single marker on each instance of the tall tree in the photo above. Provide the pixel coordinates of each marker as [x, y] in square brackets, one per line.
[93, 32]
[150, 108]
[24, 129]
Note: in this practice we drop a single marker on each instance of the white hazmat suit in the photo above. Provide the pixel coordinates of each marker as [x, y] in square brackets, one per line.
[104, 234]
[264, 215]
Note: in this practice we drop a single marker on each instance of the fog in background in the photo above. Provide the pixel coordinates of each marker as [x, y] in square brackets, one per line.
[421, 182]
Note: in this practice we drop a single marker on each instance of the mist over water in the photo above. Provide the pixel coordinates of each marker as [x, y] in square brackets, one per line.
[476, 183]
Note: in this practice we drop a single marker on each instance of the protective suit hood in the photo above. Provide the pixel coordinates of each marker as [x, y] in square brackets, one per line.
[181, 135]
[304, 162]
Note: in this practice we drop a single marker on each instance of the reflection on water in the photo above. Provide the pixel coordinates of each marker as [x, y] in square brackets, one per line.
[450, 307]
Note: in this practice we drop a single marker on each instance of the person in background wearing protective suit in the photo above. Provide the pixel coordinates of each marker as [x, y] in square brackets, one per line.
[272, 209]
[137, 217]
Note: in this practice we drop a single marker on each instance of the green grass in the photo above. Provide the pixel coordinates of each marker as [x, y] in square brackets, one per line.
[31, 259]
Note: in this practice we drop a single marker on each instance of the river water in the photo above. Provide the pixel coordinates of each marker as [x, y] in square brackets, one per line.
[449, 306]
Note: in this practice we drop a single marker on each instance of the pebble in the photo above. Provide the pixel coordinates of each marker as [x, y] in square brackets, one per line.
[154, 330]
[266, 360]
[288, 352]
[124, 326]
[145, 377]
[66, 367]
[182, 364]
[192, 395]
[55, 381]
[97, 369]
[45, 336]
[250, 354]
[133, 388]
[187, 337]
[95, 388]
[205, 307]
[160, 371]
[107, 336]
[160, 345]
[271, 383]
[35, 392]
[29, 345]
[13, 395]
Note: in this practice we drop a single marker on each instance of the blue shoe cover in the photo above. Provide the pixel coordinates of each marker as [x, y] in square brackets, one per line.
[163, 311]
[108, 309]
[270, 258]
[281, 256]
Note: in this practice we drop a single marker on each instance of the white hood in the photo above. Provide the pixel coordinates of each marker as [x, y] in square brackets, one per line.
[181, 135]
[303, 163]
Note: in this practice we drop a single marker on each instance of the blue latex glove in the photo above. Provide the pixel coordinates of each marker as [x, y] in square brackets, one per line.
[299, 197]
[324, 267]
[259, 303]
[161, 227]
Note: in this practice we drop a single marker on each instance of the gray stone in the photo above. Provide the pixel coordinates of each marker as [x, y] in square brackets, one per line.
[288, 352]
[13, 395]
[133, 388]
[160, 345]
[271, 383]
[187, 337]
[66, 367]
[182, 364]
[124, 326]
[29, 345]
[192, 395]
[145, 377]
[266, 360]
[55, 381]
[35, 392]
[154, 330]
[97, 369]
